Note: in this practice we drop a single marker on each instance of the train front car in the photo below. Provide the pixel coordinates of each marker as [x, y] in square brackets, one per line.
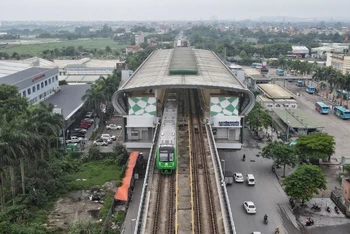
[166, 151]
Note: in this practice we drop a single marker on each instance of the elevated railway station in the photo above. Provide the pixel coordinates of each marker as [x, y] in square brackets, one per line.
[226, 100]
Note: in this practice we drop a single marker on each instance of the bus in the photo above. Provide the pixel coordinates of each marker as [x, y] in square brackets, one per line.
[341, 112]
[300, 83]
[256, 65]
[321, 108]
[280, 72]
[310, 89]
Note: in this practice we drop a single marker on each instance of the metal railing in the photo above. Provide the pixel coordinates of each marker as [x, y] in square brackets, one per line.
[227, 213]
[142, 211]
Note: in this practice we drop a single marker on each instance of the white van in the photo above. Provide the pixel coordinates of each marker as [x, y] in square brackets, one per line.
[250, 179]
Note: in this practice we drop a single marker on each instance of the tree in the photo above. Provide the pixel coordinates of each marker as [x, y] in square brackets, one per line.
[316, 146]
[243, 54]
[258, 118]
[281, 153]
[108, 49]
[306, 181]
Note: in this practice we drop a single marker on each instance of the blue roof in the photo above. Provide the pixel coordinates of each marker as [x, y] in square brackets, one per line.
[341, 109]
[321, 104]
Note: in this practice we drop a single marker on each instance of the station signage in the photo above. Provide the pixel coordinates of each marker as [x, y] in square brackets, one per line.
[38, 77]
[229, 123]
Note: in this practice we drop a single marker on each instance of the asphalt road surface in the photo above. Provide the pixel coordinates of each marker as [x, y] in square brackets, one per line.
[267, 194]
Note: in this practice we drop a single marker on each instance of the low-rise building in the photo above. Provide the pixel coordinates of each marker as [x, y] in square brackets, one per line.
[34, 83]
[300, 51]
[340, 62]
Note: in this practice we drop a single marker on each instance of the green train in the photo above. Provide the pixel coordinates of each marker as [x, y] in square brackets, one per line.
[166, 153]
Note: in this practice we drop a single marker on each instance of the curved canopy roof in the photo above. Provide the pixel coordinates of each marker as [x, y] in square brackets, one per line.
[155, 73]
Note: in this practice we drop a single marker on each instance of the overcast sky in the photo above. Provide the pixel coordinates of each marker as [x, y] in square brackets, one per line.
[110, 10]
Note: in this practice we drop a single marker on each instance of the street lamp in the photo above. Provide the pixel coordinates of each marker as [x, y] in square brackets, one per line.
[131, 226]
[287, 130]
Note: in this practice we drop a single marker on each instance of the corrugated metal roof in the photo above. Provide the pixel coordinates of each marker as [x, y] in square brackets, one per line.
[296, 118]
[68, 98]
[275, 91]
[22, 75]
[9, 68]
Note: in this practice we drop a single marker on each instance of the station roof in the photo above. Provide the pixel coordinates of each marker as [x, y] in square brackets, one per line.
[68, 98]
[212, 73]
[296, 118]
[275, 91]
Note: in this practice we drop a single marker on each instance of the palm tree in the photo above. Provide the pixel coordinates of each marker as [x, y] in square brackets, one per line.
[93, 98]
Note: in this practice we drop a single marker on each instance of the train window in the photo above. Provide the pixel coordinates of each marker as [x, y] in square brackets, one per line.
[163, 156]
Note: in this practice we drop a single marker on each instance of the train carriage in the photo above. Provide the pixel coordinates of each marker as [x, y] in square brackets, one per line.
[166, 154]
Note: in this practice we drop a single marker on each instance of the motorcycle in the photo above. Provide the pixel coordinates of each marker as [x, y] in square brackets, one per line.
[336, 209]
[328, 209]
[265, 219]
[315, 207]
[243, 157]
[309, 222]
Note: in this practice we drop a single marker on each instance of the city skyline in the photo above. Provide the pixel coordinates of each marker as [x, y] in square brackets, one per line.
[155, 10]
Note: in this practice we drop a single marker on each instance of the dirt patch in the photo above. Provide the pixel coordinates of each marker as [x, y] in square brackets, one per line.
[76, 206]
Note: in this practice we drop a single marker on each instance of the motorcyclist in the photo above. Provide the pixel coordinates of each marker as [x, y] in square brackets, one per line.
[243, 156]
[277, 230]
[265, 217]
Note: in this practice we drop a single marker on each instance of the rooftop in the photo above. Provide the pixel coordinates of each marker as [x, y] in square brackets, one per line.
[211, 72]
[296, 118]
[17, 77]
[275, 91]
[69, 98]
[183, 62]
[9, 68]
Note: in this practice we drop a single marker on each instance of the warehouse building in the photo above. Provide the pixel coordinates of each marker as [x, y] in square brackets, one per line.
[34, 83]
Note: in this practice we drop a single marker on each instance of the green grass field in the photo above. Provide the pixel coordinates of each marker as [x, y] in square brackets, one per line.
[36, 49]
[95, 173]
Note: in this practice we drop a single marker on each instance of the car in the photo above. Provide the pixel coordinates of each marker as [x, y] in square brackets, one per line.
[74, 139]
[78, 134]
[107, 136]
[238, 177]
[80, 130]
[249, 207]
[100, 142]
[85, 126]
[89, 114]
[250, 179]
[256, 232]
[114, 127]
[88, 120]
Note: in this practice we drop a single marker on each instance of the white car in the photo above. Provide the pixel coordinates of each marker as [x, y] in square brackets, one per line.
[114, 127]
[74, 139]
[256, 232]
[100, 142]
[88, 120]
[89, 115]
[238, 177]
[80, 130]
[108, 138]
[249, 207]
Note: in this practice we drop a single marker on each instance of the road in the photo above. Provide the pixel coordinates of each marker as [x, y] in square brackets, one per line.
[267, 194]
[334, 126]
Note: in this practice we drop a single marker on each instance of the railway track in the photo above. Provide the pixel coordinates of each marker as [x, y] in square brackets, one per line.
[164, 212]
[205, 219]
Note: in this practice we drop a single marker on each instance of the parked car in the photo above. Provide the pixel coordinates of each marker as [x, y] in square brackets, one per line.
[78, 134]
[113, 127]
[85, 126]
[249, 207]
[74, 139]
[106, 136]
[80, 130]
[100, 142]
[89, 115]
[88, 120]
[238, 177]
